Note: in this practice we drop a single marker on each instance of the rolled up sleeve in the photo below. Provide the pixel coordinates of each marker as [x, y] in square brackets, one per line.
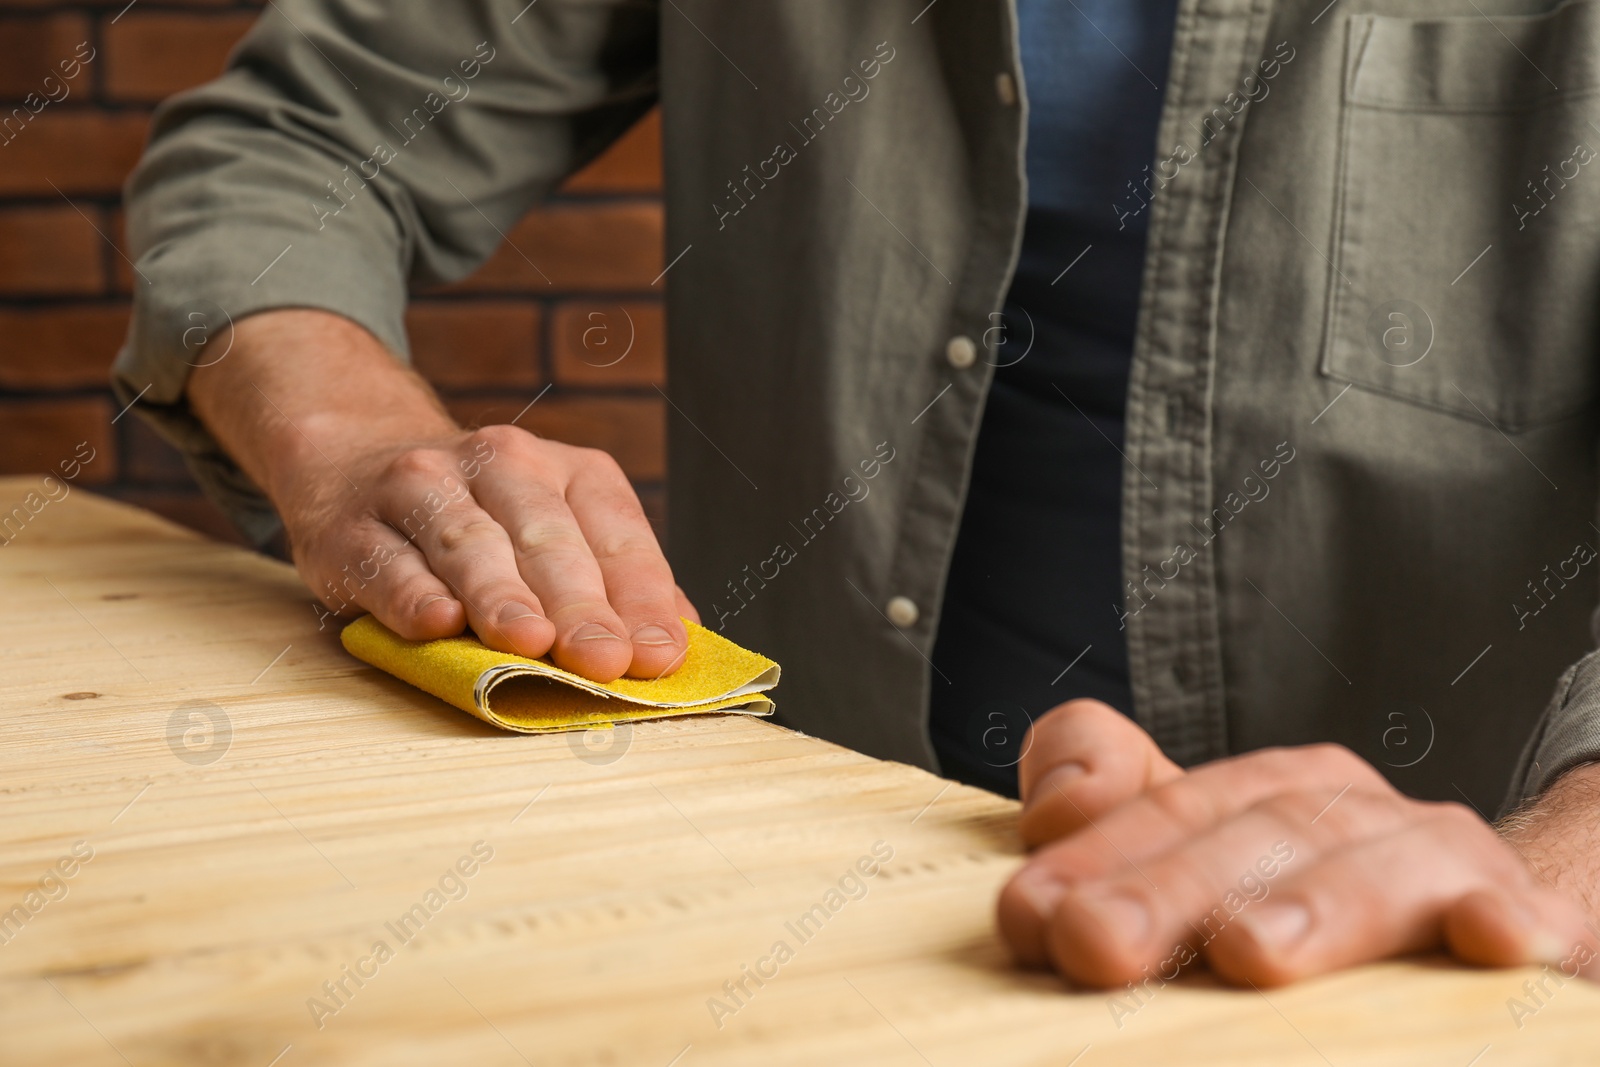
[350, 150]
[1567, 734]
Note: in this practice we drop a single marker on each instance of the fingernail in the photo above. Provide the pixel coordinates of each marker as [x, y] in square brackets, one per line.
[429, 602]
[593, 631]
[653, 636]
[1279, 926]
[1041, 891]
[1119, 913]
[514, 611]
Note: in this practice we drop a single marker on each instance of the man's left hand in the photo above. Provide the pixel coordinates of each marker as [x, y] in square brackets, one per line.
[1271, 866]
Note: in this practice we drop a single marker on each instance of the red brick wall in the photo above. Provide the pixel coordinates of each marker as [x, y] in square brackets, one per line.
[490, 344]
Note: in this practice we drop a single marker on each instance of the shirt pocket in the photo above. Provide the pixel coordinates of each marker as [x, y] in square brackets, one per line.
[1466, 256]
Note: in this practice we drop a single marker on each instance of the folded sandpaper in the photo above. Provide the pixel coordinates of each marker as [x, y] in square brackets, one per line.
[536, 696]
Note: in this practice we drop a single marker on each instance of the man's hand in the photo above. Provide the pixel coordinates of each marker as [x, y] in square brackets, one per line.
[391, 508]
[1272, 866]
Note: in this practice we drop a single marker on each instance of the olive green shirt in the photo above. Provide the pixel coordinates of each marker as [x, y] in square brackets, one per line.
[1360, 483]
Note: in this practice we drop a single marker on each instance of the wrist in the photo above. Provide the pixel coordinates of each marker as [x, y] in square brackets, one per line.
[1558, 835]
[323, 454]
[307, 400]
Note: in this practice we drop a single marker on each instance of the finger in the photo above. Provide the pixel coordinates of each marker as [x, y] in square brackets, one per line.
[1385, 896]
[638, 581]
[686, 607]
[390, 578]
[1492, 927]
[1166, 816]
[1081, 760]
[1107, 931]
[1163, 818]
[553, 557]
[469, 552]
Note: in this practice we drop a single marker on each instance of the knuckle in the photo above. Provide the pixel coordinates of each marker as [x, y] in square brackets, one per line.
[597, 462]
[1456, 816]
[1187, 803]
[1355, 814]
[1331, 753]
[1323, 758]
[499, 437]
[1341, 760]
[414, 464]
[470, 533]
[538, 538]
[1297, 807]
[626, 547]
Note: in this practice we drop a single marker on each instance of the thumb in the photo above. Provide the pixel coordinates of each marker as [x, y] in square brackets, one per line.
[686, 607]
[1501, 927]
[1080, 760]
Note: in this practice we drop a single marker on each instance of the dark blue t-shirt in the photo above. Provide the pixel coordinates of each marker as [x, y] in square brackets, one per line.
[1031, 613]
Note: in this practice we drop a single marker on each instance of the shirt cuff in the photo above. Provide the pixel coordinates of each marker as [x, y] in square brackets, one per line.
[187, 298]
[1567, 735]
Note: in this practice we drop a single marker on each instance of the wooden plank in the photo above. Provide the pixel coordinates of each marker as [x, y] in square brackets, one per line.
[232, 876]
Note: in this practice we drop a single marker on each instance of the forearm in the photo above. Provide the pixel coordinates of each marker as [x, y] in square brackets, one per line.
[297, 389]
[1559, 836]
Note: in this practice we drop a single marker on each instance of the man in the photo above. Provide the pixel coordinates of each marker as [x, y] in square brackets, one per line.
[1316, 377]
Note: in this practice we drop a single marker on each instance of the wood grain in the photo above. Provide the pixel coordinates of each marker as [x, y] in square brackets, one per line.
[230, 880]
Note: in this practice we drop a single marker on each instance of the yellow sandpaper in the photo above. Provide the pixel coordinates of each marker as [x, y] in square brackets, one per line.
[536, 696]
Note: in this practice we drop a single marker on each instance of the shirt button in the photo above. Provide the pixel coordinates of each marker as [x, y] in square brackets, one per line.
[961, 352]
[1005, 87]
[902, 611]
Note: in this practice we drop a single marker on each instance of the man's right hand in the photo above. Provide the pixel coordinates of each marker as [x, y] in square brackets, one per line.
[538, 546]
